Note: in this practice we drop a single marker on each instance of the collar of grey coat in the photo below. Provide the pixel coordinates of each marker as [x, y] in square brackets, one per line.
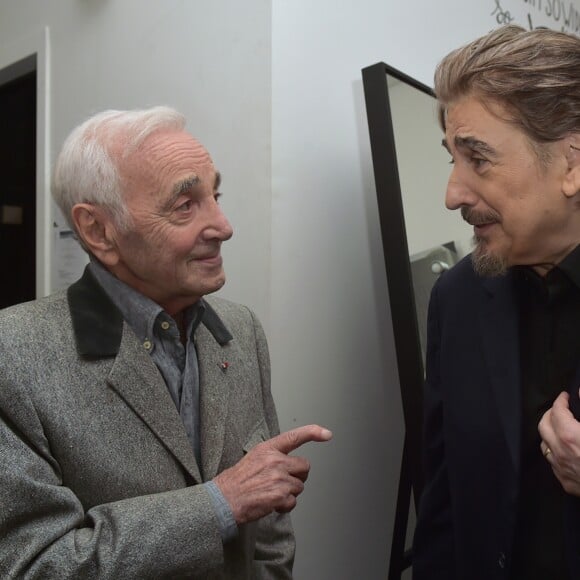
[98, 324]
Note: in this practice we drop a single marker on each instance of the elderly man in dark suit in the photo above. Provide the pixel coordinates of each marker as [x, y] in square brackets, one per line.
[502, 445]
[138, 435]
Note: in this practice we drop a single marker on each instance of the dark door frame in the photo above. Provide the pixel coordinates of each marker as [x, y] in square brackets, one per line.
[18, 57]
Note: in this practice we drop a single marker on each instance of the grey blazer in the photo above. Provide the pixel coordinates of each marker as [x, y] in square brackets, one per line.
[98, 478]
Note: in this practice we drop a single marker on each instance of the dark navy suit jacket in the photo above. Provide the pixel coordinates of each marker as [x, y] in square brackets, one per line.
[468, 510]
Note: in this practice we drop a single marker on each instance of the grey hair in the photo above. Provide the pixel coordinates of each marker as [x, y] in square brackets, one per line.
[87, 171]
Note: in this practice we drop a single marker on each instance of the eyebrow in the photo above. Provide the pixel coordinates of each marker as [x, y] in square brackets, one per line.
[471, 143]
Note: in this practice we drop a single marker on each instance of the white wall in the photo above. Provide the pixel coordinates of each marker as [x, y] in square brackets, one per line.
[273, 88]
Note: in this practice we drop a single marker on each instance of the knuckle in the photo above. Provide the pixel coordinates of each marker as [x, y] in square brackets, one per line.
[567, 485]
[566, 436]
[288, 504]
[292, 437]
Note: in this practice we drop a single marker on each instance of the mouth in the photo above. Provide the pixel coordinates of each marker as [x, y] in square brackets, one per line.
[482, 229]
[210, 259]
[482, 222]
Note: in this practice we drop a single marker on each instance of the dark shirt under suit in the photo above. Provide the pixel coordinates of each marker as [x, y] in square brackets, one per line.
[550, 351]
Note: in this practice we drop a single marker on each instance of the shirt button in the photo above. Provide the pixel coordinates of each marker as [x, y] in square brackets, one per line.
[147, 344]
[165, 325]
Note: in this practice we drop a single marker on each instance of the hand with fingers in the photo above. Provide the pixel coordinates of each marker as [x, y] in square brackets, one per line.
[560, 433]
[268, 478]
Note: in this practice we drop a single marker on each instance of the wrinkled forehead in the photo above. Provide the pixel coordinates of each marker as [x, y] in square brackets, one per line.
[162, 142]
[494, 106]
[165, 157]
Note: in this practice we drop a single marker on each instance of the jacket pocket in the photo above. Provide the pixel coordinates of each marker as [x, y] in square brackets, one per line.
[257, 435]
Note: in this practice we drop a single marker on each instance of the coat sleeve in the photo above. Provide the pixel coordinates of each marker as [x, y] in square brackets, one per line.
[275, 545]
[46, 533]
[433, 546]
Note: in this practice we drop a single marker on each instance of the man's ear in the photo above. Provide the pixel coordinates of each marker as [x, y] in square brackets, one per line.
[571, 184]
[96, 230]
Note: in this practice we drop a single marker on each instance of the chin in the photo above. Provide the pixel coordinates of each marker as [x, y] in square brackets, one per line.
[487, 263]
[214, 285]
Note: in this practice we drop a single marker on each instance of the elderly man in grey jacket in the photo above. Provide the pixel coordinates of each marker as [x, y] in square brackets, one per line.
[138, 435]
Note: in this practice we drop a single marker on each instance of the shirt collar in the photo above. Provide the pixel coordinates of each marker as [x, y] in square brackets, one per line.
[564, 275]
[140, 312]
[570, 265]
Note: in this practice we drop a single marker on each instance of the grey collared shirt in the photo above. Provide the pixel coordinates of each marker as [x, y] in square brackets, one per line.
[177, 364]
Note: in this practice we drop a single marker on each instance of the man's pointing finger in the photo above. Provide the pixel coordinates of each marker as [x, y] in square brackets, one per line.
[291, 440]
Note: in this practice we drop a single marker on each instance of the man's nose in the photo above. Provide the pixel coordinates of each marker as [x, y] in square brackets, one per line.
[218, 224]
[459, 193]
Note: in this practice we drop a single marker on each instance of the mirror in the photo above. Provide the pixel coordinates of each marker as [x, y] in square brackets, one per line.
[436, 237]
[421, 239]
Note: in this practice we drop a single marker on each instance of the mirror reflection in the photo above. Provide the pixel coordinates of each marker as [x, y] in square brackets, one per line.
[437, 238]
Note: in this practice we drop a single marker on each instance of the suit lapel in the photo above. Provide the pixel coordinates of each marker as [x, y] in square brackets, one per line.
[498, 318]
[101, 333]
[216, 365]
[137, 380]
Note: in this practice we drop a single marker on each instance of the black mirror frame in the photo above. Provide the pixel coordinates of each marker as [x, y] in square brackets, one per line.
[401, 296]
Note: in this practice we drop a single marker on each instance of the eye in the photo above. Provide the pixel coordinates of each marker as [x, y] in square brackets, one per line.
[185, 206]
[477, 162]
[217, 196]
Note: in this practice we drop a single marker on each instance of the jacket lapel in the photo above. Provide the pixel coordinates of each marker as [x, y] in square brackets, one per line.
[101, 333]
[217, 365]
[498, 318]
[137, 380]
